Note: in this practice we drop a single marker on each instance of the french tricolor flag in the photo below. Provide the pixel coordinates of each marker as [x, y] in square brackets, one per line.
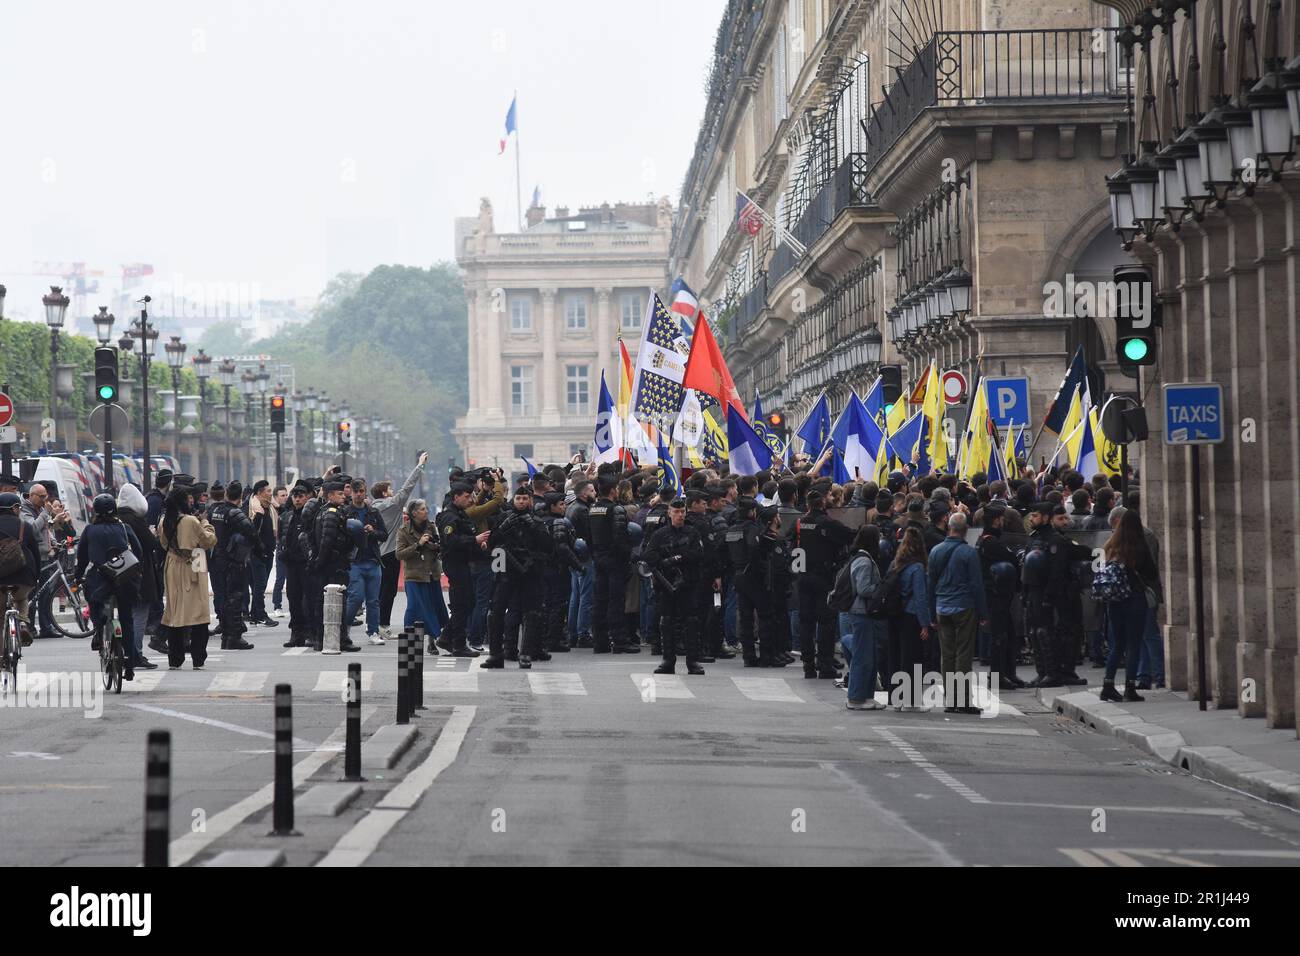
[685, 305]
[510, 123]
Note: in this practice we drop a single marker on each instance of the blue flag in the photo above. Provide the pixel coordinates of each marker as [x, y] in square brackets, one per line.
[905, 439]
[532, 469]
[746, 452]
[874, 401]
[816, 429]
[606, 439]
[1075, 376]
[668, 477]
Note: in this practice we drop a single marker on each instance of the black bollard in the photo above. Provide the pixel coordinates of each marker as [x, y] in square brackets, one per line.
[403, 687]
[352, 745]
[417, 681]
[157, 797]
[282, 812]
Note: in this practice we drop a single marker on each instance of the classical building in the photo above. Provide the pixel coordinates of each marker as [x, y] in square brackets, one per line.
[1217, 117]
[912, 151]
[546, 310]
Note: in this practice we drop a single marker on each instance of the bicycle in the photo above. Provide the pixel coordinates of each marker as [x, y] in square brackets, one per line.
[112, 662]
[61, 585]
[11, 645]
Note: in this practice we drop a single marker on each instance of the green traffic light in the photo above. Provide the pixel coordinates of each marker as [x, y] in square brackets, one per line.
[889, 408]
[1135, 350]
[106, 393]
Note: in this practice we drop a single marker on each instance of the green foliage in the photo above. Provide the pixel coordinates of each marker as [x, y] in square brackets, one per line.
[224, 338]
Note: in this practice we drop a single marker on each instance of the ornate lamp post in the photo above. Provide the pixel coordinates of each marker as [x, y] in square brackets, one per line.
[175, 350]
[104, 325]
[264, 426]
[56, 310]
[297, 402]
[247, 388]
[226, 376]
[202, 369]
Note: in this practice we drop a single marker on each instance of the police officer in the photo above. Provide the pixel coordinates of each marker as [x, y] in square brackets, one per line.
[999, 564]
[1045, 573]
[1079, 564]
[611, 547]
[518, 543]
[295, 564]
[656, 517]
[775, 558]
[557, 581]
[824, 542]
[674, 555]
[715, 644]
[313, 588]
[754, 544]
[333, 549]
[236, 543]
[706, 577]
[461, 544]
[578, 513]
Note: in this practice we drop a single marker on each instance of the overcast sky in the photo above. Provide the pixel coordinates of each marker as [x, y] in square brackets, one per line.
[272, 143]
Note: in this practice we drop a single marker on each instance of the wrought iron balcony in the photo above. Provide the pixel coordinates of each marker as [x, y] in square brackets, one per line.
[749, 306]
[978, 67]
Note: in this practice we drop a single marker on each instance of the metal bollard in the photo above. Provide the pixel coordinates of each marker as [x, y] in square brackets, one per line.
[403, 688]
[157, 797]
[332, 618]
[352, 742]
[282, 812]
[417, 677]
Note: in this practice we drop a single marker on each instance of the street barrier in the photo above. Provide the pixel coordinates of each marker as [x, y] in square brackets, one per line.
[332, 617]
[157, 797]
[417, 677]
[282, 811]
[403, 678]
[352, 740]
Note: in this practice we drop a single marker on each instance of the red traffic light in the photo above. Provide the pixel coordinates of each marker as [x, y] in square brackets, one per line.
[776, 419]
[277, 401]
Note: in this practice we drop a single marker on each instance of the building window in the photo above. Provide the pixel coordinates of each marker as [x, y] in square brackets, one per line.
[521, 390]
[521, 315]
[577, 389]
[631, 310]
[524, 451]
[575, 313]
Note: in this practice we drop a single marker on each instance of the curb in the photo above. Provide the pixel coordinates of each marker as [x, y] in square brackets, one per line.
[1221, 765]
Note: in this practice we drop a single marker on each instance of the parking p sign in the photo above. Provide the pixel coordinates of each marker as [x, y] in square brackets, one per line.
[1193, 413]
[1008, 400]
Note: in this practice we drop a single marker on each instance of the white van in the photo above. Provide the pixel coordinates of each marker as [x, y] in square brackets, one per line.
[65, 481]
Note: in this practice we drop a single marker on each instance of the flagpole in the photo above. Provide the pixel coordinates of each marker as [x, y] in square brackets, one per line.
[519, 192]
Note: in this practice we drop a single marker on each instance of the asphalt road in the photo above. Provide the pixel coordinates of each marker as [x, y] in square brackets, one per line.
[588, 760]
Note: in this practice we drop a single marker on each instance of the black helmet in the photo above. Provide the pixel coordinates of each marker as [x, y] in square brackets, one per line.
[104, 505]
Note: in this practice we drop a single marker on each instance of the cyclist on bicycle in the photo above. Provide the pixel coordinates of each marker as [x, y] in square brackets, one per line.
[103, 539]
[49, 519]
[20, 560]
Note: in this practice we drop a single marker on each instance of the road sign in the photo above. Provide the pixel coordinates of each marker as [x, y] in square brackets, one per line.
[1193, 413]
[954, 387]
[121, 424]
[1008, 400]
[6, 409]
[47, 429]
[8, 434]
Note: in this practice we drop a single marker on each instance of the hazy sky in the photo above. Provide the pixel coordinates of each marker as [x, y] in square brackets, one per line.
[272, 144]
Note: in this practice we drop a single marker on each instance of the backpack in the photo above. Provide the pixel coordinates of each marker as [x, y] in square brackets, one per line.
[13, 556]
[1110, 585]
[887, 599]
[842, 595]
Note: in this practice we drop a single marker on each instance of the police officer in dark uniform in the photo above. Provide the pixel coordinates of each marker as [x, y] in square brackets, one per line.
[674, 555]
[313, 588]
[825, 544]
[556, 580]
[295, 563]
[611, 547]
[715, 644]
[334, 547]
[236, 542]
[1045, 573]
[775, 558]
[460, 544]
[706, 575]
[656, 517]
[518, 544]
[1000, 583]
[1079, 566]
[742, 553]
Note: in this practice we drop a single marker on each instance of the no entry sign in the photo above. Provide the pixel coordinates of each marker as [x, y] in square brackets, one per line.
[6, 409]
[954, 386]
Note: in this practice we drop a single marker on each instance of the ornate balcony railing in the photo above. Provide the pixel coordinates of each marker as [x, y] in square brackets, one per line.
[749, 306]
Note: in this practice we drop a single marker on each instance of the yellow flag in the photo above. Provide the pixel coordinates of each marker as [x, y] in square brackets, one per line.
[1108, 452]
[894, 421]
[1009, 452]
[978, 444]
[932, 406]
[1071, 430]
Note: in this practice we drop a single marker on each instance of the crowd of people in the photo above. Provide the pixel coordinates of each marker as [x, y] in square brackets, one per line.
[903, 585]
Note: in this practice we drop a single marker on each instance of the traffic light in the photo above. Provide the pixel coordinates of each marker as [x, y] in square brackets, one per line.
[345, 436]
[1137, 316]
[106, 375]
[277, 414]
[776, 425]
[892, 385]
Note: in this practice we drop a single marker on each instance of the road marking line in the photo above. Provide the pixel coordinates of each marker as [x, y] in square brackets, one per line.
[1190, 811]
[953, 728]
[451, 682]
[213, 722]
[561, 683]
[185, 848]
[766, 689]
[295, 651]
[1083, 857]
[943, 777]
[356, 846]
[667, 686]
[1118, 857]
[238, 680]
[333, 681]
[144, 680]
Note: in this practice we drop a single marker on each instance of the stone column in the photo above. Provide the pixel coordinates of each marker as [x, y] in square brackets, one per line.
[492, 359]
[549, 372]
[604, 342]
[472, 304]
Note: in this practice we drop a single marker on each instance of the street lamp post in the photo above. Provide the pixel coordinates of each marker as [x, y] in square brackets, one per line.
[104, 334]
[312, 400]
[202, 369]
[264, 427]
[226, 376]
[147, 336]
[175, 350]
[247, 386]
[297, 403]
[56, 310]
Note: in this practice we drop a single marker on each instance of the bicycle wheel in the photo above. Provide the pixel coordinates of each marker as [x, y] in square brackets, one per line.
[118, 663]
[106, 658]
[9, 656]
[80, 625]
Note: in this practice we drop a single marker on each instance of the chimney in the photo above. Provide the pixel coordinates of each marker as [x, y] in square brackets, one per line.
[561, 212]
[534, 215]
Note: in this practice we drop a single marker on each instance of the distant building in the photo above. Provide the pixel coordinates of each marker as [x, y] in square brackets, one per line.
[546, 309]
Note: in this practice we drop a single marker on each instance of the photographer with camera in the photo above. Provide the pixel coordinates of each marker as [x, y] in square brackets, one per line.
[490, 489]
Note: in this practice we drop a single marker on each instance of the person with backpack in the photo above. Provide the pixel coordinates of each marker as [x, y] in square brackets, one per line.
[1128, 585]
[185, 539]
[132, 508]
[103, 540]
[867, 631]
[909, 619]
[20, 559]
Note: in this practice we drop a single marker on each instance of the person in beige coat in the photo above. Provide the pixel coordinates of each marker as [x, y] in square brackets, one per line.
[186, 614]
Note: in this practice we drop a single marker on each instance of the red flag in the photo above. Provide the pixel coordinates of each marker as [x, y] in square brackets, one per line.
[706, 370]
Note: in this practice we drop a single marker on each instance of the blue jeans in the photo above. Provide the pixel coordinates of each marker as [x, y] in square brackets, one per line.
[1152, 664]
[861, 649]
[580, 600]
[1128, 620]
[277, 593]
[481, 576]
[424, 603]
[363, 587]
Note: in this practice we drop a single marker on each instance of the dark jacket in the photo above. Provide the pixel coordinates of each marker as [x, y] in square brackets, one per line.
[374, 540]
[100, 542]
[150, 550]
[12, 526]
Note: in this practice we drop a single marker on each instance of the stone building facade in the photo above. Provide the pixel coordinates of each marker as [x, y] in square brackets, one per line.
[547, 308]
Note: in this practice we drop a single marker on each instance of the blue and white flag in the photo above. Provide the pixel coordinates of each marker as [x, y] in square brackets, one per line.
[668, 477]
[816, 429]
[657, 392]
[905, 439]
[874, 401]
[858, 440]
[608, 438]
[532, 469]
[746, 452]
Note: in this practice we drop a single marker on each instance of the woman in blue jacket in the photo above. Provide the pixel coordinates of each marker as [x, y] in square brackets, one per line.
[104, 538]
[909, 629]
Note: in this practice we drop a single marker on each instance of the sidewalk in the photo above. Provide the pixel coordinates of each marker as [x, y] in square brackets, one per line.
[1216, 745]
